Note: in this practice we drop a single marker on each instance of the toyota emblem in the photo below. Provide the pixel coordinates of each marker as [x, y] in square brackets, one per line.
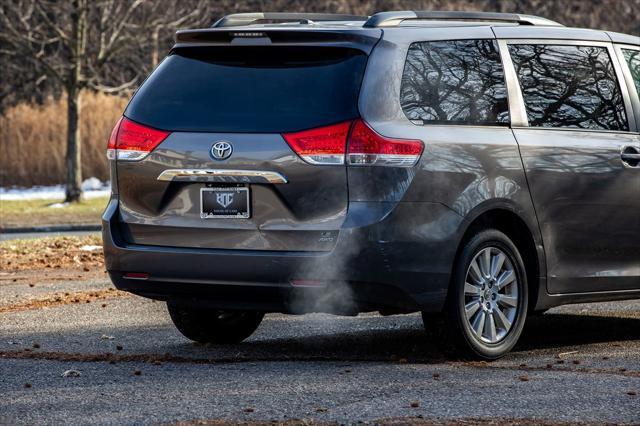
[221, 150]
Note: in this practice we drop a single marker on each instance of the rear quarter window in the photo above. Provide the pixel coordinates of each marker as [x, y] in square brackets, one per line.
[454, 82]
[633, 60]
[569, 86]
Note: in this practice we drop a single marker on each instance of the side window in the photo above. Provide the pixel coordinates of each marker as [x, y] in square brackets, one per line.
[633, 59]
[569, 86]
[454, 82]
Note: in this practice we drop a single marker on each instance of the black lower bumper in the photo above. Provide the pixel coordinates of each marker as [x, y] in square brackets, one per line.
[402, 276]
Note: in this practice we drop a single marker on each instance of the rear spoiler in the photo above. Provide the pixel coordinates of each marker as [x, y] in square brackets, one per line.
[358, 38]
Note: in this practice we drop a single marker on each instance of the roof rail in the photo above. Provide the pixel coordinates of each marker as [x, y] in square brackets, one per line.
[239, 19]
[392, 19]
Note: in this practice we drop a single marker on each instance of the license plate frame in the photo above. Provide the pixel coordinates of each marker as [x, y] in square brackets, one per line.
[237, 200]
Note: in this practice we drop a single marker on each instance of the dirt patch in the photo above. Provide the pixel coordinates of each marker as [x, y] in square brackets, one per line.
[549, 367]
[402, 421]
[80, 254]
[159, 359]
[41, 277]
[64, 299]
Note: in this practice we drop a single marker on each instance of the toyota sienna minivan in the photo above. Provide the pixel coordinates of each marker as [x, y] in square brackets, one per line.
[483, 166]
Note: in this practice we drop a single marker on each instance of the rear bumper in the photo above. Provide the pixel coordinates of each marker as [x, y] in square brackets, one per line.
[401, 263]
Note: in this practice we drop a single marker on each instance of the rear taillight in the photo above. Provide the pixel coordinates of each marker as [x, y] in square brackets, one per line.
[356, 141]
[368, 148]
[324, 145]
[130, 141]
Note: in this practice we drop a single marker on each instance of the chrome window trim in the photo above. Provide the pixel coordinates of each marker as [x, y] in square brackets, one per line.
[517, 110]
[222, 175]
[622, 84]
[628, 78]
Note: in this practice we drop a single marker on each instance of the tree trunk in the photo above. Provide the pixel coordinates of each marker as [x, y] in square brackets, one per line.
[74, 81]
[155, 35]
[73, 160]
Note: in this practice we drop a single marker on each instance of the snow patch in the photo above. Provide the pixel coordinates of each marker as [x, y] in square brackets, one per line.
[92, 184]
[90, 248]
[58, 205]
[92, 187]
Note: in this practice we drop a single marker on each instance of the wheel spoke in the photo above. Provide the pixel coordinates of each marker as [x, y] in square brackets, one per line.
[505, 278]
[485, 262]
[491, 328]
[502, 319]
[471, 289]
[508, 301]
[471, 308]
[478, 324]
[496, 264]
[475, 273]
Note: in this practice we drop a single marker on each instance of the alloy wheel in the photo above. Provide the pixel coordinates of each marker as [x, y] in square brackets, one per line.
[491, 295]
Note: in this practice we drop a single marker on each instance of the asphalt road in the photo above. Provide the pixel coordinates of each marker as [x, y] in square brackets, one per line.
[574, 364]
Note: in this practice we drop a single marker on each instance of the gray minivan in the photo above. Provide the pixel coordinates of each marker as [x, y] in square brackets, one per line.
[483, 166]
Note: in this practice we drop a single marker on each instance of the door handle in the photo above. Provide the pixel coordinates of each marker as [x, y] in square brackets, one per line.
[630, 155]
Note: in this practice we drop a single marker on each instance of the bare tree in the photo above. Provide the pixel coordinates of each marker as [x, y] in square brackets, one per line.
[59, 42]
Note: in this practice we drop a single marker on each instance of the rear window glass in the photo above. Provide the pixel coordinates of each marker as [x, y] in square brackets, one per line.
[569, 86]
[251, 89]
[454, 82]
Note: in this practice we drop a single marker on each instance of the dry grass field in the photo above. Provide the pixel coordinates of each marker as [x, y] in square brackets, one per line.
[33, 139]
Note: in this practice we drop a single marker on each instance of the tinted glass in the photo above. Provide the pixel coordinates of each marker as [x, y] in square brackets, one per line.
[248, 89]
[569, 86]
[633, 59]
[454, 82]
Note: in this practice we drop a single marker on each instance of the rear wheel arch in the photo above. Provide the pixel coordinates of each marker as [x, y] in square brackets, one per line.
[510, 223]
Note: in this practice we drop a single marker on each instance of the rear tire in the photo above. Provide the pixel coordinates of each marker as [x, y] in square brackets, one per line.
[488, 297]
[213, 326]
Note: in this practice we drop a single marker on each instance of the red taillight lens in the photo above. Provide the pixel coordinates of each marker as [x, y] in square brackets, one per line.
[131, 141]
[359, 142]
[111, 145]
[324, 145]
[366, 147]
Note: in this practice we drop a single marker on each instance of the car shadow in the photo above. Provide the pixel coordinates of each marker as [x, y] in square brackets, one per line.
[553, 330]
[371, 338]
[412, 343]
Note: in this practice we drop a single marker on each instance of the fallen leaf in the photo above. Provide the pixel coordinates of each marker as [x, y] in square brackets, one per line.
[71, 373]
